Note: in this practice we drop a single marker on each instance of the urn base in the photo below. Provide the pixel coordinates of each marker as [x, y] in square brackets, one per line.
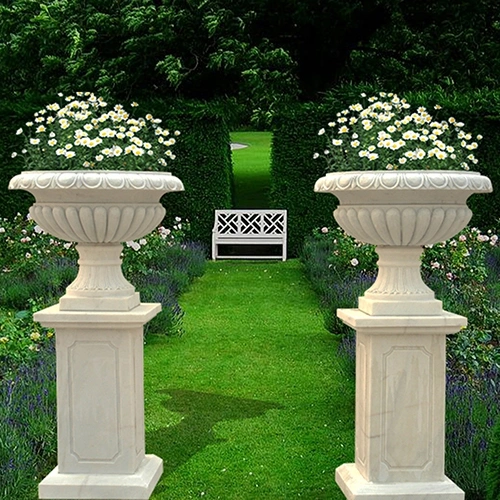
[98, 303]
[407, 307]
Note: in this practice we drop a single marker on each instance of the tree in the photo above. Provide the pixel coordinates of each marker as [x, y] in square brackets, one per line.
[189, 48]
[432, 42]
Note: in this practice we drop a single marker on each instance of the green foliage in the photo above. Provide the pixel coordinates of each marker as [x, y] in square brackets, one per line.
[493, 465]
[457, 272]
[263, 53]
[20, 338]
[429, 42]
[203, 164]
[195, 49]
[13, 113]
[24, 246]
[294, 172]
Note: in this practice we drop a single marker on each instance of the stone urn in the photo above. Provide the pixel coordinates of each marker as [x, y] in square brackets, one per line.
[99, 330]
[400, 212]
[400, 329]
[99, 210]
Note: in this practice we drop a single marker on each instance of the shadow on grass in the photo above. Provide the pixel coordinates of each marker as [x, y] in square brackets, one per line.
[201, 412]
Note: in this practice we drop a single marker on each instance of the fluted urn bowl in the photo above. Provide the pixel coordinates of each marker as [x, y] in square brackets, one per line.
[400, 212]
[99, 210]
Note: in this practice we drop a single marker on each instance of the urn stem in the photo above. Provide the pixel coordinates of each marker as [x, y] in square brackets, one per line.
[399, 288]
[100, 284]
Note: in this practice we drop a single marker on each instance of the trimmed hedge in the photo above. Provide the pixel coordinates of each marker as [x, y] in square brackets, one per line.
[203, 161]
[13, 115]
[294, 172]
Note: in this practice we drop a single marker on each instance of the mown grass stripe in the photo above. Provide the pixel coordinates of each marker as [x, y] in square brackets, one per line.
[251, 167]
[252, 402]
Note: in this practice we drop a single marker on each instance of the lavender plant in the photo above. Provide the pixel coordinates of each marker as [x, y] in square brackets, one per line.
[472, 408]
[161, 265]
[28, 431]
[465, 272]
[492, 470]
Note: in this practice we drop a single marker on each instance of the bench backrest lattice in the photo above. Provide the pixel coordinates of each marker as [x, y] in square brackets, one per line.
[249, 227]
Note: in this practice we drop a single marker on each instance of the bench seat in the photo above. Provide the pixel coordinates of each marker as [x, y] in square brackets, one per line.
[249, 227]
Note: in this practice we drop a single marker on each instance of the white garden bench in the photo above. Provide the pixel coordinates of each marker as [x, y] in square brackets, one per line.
[249, 227]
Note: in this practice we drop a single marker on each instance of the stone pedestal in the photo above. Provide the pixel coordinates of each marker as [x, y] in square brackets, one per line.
[100, 405]
[99, 329]
[400, 407]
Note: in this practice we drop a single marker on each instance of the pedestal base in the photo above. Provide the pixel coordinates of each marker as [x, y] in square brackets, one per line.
[137, 486]
[355, 486]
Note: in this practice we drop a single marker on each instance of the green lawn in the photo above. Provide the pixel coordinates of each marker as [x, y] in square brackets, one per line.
[251, 169]
[252, 402]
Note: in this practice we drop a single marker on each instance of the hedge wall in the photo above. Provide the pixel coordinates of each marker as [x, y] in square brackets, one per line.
[295, 139]
[203, 161]
[13, 115]
[294, 172]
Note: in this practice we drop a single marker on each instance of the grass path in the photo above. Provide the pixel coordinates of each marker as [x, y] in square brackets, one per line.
[251, 169]
[252, 402]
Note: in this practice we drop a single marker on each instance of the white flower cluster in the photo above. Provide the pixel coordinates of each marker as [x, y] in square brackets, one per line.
[386, 131]
[85, 133]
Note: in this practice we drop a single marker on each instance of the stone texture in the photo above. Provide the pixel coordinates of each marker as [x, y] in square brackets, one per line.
[99, 210]
[400, 329]
[100, 405]
[137, 486]
[356, 487]
[400, 412]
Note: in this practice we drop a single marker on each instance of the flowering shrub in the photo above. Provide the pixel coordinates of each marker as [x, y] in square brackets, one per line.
[35, 270]
[341, 269]
[85, 132]
[20, 337]
[140, 256]
[349, 257]
[383, 132]
[465, 257]
[25, 246]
